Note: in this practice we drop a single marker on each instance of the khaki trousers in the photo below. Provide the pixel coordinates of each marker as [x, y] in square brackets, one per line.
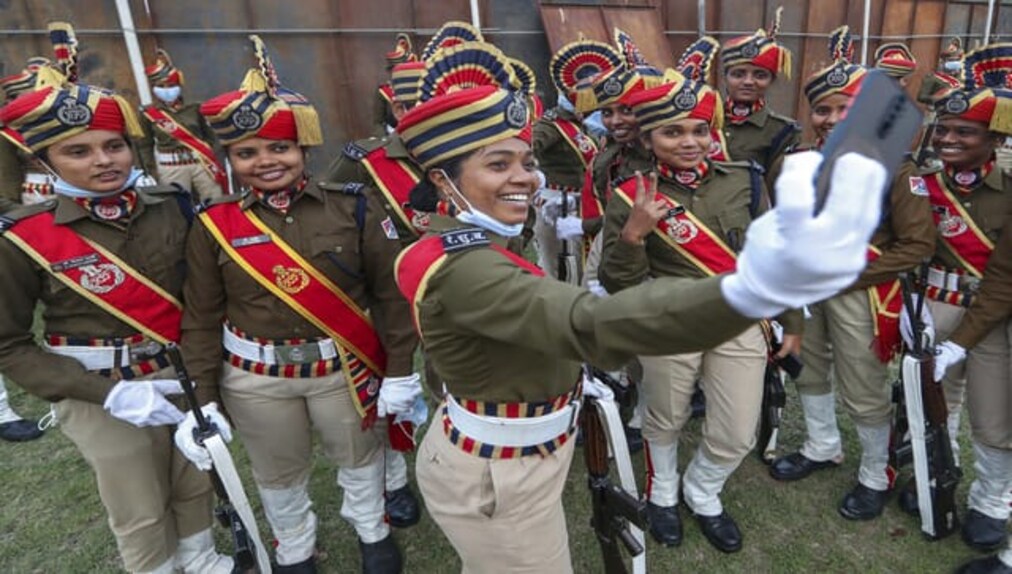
[732, 379]
[276, 416]
[986, 376]
[838, 337]
[192, 177]
[152, 494]
[500, 515]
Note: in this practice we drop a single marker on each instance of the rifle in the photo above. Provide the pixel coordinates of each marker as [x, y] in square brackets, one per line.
[618, 515]
[774, 397]
[567, 262]
[925, 143]
[935, 470]
[237, 518]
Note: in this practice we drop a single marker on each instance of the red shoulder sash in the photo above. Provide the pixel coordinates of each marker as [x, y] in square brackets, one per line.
[178, 132]
[583, 145]
[956, 228]
[395, 179]
[684, 233]
[99, 276]
[886, 304]
[281, 270]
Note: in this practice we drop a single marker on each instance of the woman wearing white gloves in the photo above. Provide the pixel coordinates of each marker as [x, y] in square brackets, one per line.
[105, 257]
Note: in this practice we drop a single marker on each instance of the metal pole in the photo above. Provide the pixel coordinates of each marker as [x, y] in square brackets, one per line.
[865, 30]
[126, 21]
[475, 16]
[701, 13]
[987, 25]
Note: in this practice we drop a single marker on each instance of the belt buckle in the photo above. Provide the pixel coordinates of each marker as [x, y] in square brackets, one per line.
[298, 354]
[144, 351]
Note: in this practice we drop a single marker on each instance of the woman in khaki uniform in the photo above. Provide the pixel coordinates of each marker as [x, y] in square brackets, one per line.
[856, 334]
[295, 283]
[105, 258]
[709, 207]
[970, 199]
[753, 132]
[508, 344]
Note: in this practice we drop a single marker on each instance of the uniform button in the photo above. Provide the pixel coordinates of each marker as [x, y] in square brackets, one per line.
[289, 219]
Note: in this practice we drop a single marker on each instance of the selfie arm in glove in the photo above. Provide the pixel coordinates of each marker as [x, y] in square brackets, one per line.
[793, 257]
[397, 394]
[143, 403]
[186, 440]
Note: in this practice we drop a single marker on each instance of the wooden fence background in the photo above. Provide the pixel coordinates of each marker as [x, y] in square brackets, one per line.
[332, 50]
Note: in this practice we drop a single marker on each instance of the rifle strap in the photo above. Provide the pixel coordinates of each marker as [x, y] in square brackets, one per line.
[225, 468]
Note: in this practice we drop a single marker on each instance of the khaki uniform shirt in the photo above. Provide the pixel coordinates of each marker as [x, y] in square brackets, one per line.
[12, 175]
[723, 203]
[320, 225]
[188, 116]
[561, 164]
[152, 243]
[615, 162]
[993, 302]
[763, 138]
[495, 332]
[905, 236]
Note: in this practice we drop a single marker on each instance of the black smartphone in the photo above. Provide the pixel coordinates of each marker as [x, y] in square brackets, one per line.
[881, 124]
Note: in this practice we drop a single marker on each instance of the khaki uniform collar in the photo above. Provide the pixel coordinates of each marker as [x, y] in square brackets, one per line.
[395, 147]
[249, 199]
[68, 211]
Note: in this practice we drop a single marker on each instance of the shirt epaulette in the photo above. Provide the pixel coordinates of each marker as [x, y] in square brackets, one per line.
[8, 219]
[358, 149]
[347, 187]
[207, 204]
[457, 240]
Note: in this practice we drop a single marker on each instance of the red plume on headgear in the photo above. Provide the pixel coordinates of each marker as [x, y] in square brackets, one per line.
[630, 52]
[64, 41]
[451, 34]
[696, 61]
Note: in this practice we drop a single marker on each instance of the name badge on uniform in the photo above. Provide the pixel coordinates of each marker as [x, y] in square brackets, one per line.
[388, 229]
[918, 187]
[75, 262]
[251, 240]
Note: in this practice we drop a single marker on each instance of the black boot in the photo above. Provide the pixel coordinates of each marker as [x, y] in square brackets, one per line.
[796, 466]
[721, 531]
[907, 498]
[665, 524]
[863, 503]
[307, 566]
[988, 565]
[402, 507]
[982, 532]
[381, 557]
[21, 430]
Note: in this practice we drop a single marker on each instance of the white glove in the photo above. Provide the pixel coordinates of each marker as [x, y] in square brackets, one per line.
[592, 387]
[187, 444]
[595, 287]
[143, 404]
[947, 355]
[146, 181]
[568, 227]
[397, 394]
[417, 414]
[907, 330]
[551, 207]
[792, 257]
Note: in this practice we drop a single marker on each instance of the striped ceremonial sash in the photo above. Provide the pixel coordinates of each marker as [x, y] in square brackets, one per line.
[886, 303]
[583, 145]
[956, 228]
[277, 267]
[686, 234]
[178, 132]
[99, 276]
[395, 178]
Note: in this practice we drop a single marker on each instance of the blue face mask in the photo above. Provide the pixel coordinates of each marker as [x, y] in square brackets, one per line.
[952, 65]
[167, 94]
[61, 187]
[472, 216]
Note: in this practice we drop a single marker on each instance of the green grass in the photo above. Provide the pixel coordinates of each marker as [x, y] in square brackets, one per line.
[52, 521]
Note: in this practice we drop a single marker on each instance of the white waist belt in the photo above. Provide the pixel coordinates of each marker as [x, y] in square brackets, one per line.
[950, 281]
[94, 358]
[512, 432]
[36, 178]
[174, 156]
[253, 351]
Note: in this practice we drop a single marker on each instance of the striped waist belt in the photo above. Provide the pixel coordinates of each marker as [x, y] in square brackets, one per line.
[127, 357]
[176, 157]
[288, 358]
[511, 430]
[951, 286]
